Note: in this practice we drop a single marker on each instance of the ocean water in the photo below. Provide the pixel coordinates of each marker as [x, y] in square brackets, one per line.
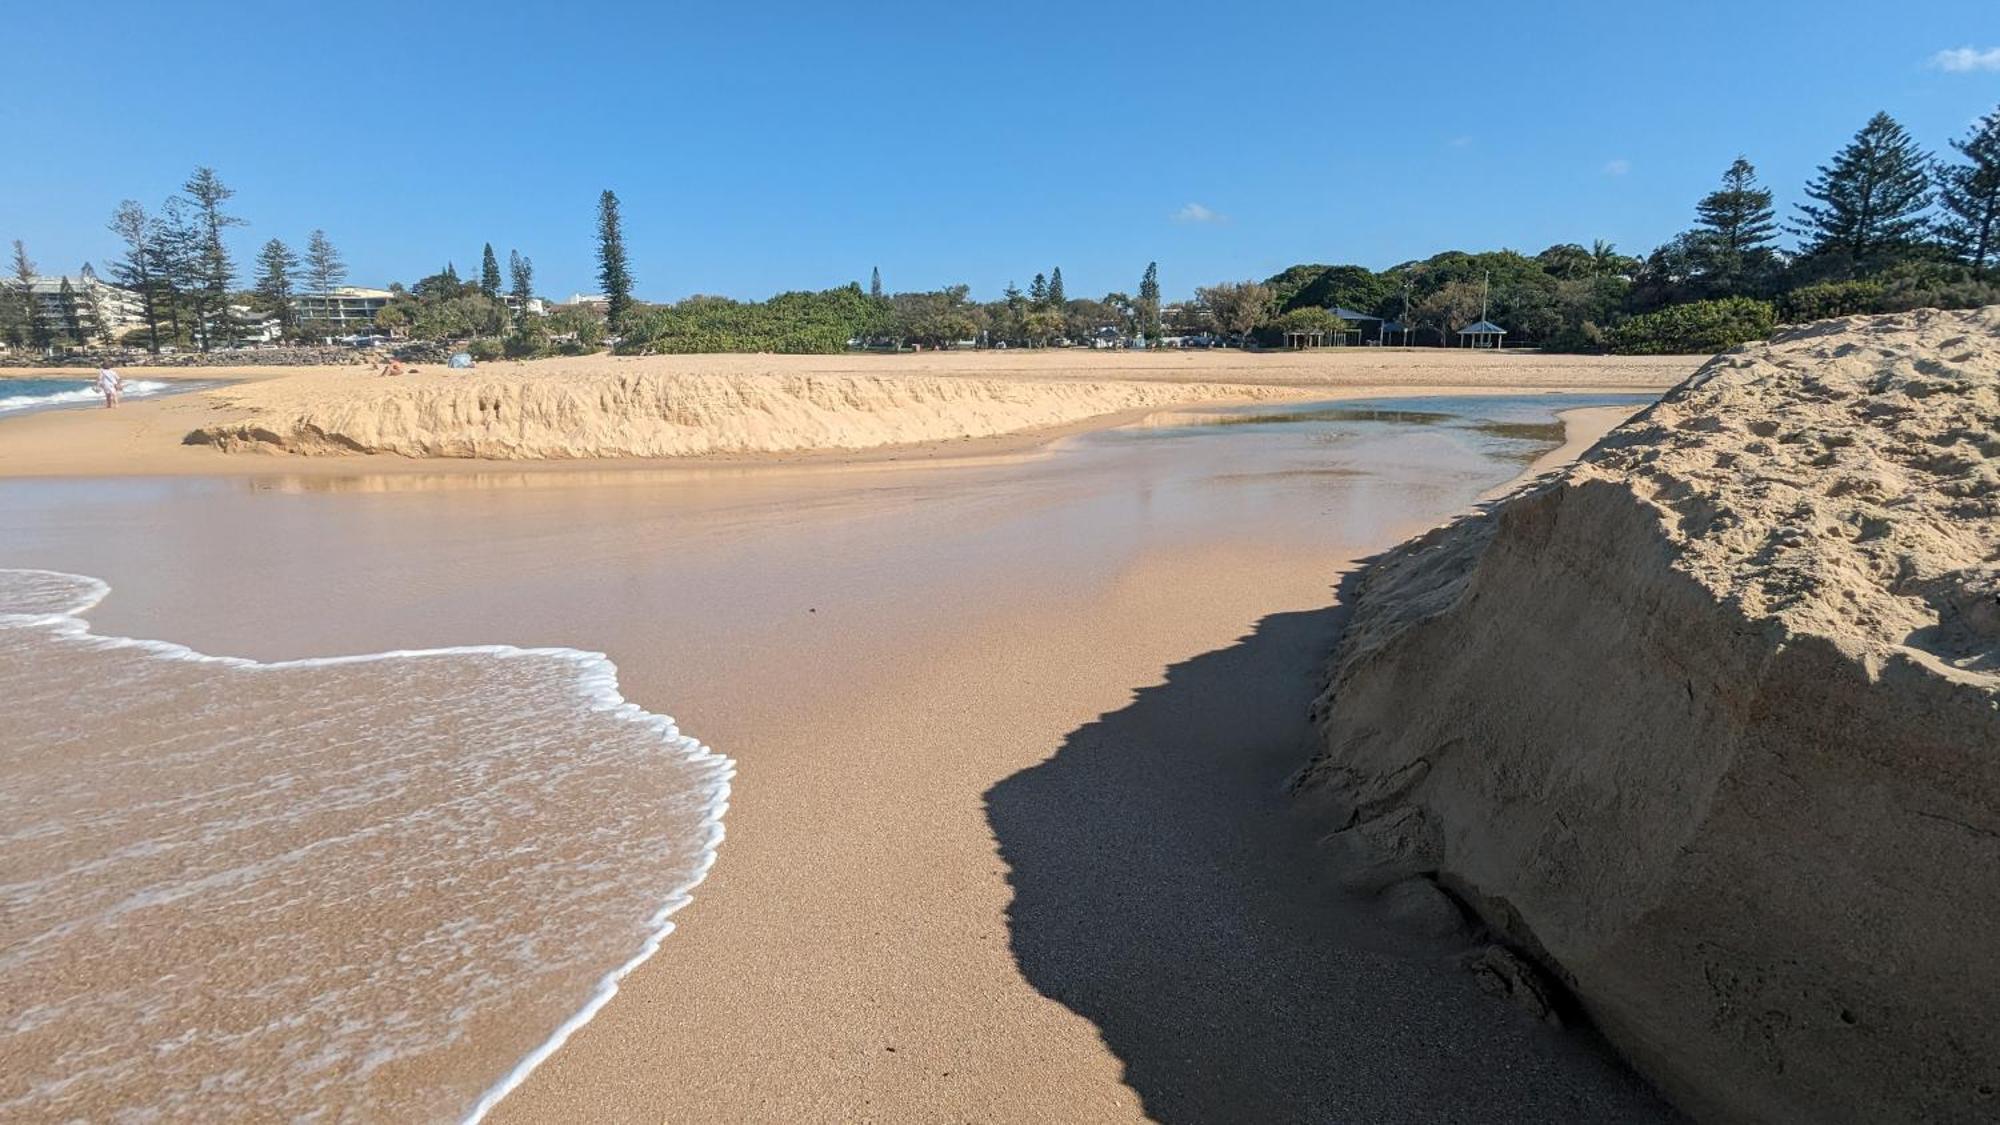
[35, 394]
[376, 887]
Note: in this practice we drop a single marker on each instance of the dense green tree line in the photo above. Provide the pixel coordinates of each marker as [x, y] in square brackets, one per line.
[1884, 228]
[790, 322]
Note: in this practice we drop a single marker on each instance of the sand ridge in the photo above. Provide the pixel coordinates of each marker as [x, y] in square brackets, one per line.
[815, 406]
[1709, 722]
[534, 415]
[1844, 480]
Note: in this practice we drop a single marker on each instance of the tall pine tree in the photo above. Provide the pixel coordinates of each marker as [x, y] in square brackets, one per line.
[325, 270]
[1870, 201]
[1038, 292]
[175, 239]
[134, 270]
[614, 273]
[1731, 251]
[90, 305]
[1056, 299]
[1148, 305]
[214, 271]
[277, 271]
[1738, 215]
[14, 305]
[1969, 192]
[489, 273]
[875, 283]
[523, 271]
[1013, 313]
[34, 327]
[71, 313]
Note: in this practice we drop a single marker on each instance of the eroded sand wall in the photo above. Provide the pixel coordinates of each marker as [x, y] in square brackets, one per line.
[1711, 726]
[519, 416]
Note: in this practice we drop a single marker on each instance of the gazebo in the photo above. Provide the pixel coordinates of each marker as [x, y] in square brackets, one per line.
[1481, 334]
[1356, 323]
[1393, 328]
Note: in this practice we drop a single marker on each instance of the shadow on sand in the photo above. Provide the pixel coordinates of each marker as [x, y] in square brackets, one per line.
[1167, 889]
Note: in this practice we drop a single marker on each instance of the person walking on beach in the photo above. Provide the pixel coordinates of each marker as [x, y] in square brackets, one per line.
[110, 385]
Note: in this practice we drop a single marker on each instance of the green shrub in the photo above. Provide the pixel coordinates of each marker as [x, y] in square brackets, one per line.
[1830, 299]
[1696, 328]
[790, 322]
[1934, 285]
[1584, 338]
[528, 339]
[485, 349]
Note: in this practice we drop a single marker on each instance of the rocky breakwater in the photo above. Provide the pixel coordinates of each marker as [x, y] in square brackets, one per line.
[1709, 726]
[545, 413]
[228, 357]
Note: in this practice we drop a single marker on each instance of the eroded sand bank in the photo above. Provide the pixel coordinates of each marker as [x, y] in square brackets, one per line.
[1711, 725]
[731, 406]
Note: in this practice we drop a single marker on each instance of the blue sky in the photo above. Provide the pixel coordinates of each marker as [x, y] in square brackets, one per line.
[795, 145]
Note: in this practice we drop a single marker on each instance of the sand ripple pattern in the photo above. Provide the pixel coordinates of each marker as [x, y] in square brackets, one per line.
[377, 887]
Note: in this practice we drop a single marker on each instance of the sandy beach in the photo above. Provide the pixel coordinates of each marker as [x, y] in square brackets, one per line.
[1008, 840]
[765, 408]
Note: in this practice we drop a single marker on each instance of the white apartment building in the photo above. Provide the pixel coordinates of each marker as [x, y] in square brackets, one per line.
[115, 311]
[347, 308]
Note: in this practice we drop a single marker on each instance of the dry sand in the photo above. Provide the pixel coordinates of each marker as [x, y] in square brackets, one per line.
[731, 406]
[1008, 841]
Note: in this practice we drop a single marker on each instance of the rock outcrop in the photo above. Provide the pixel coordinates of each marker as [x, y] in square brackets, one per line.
[538, 415]
[1709, 726]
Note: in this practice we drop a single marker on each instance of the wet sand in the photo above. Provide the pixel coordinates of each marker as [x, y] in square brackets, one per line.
[1007, 841]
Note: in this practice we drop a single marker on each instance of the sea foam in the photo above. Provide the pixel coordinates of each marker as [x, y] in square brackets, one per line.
[385, 886]
[66, 392]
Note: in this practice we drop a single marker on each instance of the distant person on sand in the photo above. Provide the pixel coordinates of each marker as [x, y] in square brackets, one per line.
[110, 385]
[393, 367]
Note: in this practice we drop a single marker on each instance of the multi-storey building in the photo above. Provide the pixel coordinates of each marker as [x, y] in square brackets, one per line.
[347, 308]
[104, 311]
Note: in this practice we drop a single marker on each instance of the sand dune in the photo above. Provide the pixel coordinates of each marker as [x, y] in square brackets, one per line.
[1709, 725]
[510, 415]
[558, 412]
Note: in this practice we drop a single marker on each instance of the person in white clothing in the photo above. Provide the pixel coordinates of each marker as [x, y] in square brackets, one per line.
[110, 385]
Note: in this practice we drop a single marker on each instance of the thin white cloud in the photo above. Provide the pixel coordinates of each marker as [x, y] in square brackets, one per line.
[1961, 60]
[1617, 167]
[1196, 213]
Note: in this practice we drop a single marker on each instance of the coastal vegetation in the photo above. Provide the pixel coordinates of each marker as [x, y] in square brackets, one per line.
[1884, 227]
[613, 275]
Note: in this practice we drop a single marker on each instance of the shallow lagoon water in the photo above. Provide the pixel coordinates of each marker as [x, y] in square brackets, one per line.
[697, 581]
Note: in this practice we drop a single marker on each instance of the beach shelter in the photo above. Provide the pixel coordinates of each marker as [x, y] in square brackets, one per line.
[1393, 328]
[460, 361]
[1481, 334]
[1296, 338]
[1357, 322]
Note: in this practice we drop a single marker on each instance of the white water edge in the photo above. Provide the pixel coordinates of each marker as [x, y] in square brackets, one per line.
[53, 601]
[134, 388]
